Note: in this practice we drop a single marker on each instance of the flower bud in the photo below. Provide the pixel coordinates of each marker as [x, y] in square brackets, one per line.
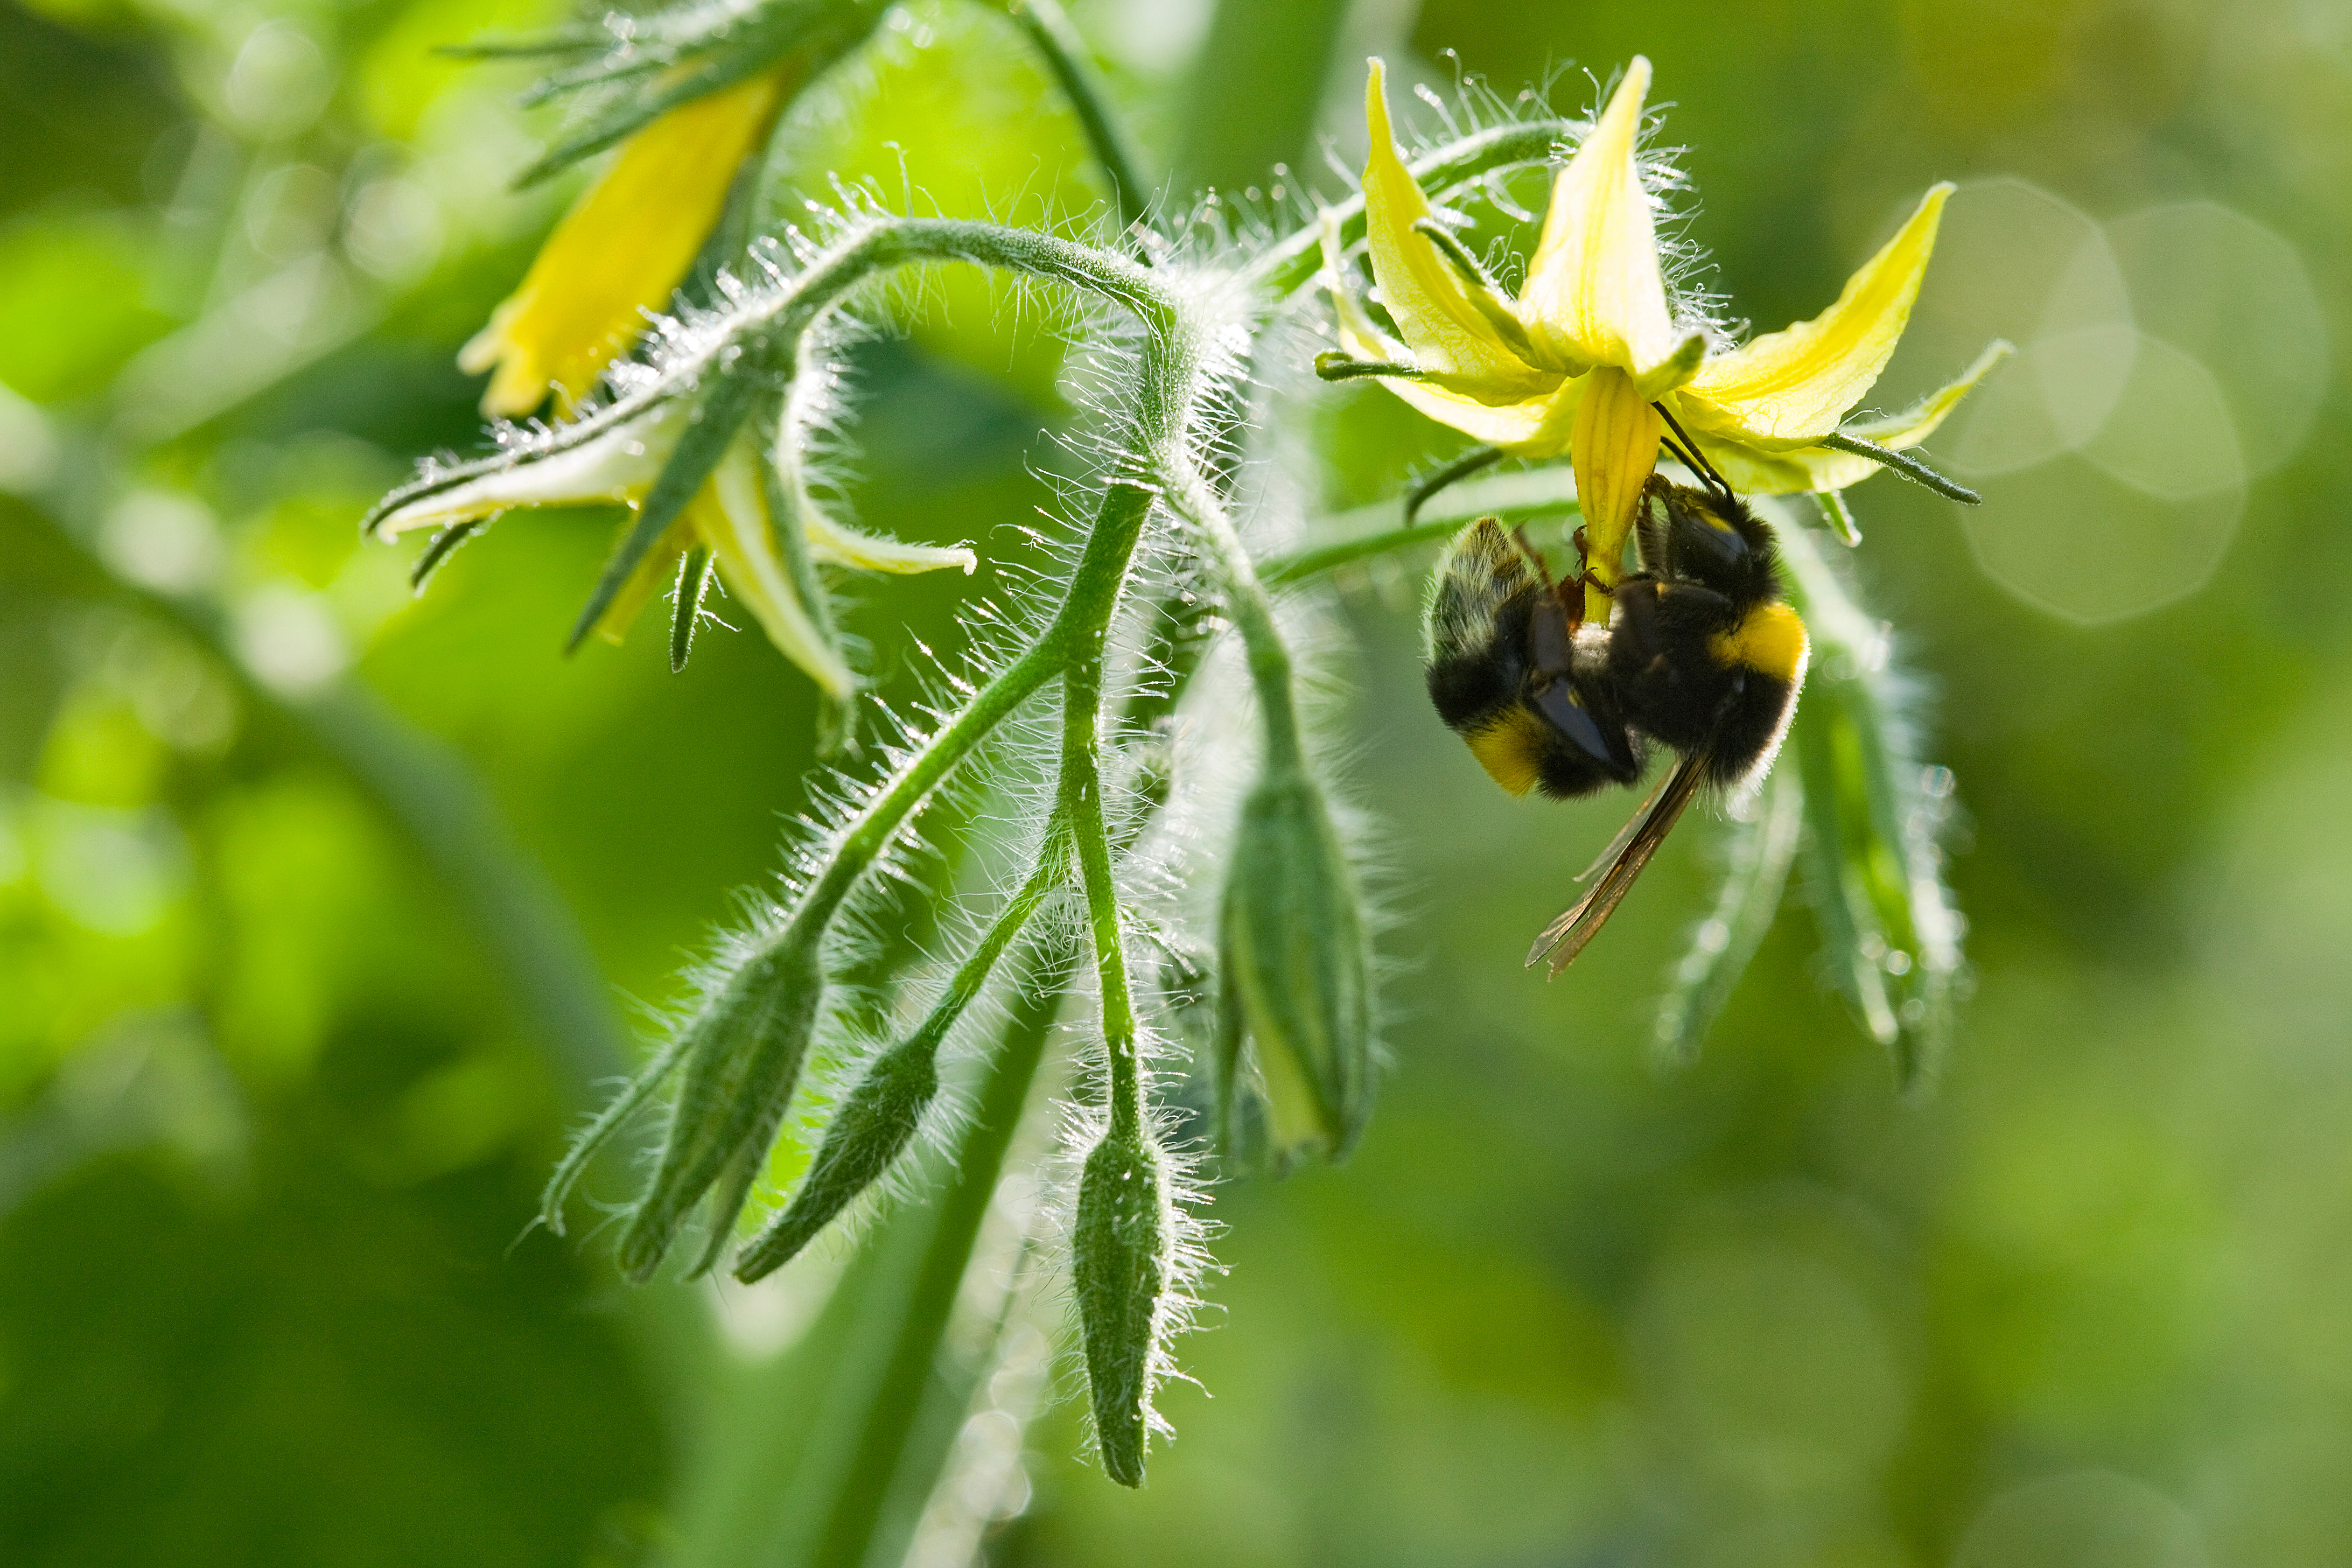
[867, 1135]
[1294, 957]
[741, 1065]
[1120, 1264]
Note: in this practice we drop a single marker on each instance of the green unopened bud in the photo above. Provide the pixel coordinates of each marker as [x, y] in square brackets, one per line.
[867, 1135]
[1296, 964]
[1120, 1264]
[743, 1059]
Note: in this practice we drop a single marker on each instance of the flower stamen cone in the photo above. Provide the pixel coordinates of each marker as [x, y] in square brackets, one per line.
[622, 250]
[1613, 448]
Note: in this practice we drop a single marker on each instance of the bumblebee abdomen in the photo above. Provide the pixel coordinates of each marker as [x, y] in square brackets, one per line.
[1769, 647]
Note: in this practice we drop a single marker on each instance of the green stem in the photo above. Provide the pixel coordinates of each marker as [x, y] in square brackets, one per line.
[1048, 29]
[1308, 563]
[1904, 463]
[1081, 806]
[1253, 612]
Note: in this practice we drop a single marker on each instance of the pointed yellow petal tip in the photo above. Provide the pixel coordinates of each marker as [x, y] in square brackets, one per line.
[1623, 115]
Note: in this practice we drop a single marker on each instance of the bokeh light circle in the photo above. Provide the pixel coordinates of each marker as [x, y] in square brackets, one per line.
[2217, 285]
[2138, 515]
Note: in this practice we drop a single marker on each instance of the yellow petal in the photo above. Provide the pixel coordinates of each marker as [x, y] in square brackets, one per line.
[1450, 337]
[1755, 471]
[1518, 428]
[622, 249]
[1594, 294]
[730, 513]
[1613, 448]
[1792, 387]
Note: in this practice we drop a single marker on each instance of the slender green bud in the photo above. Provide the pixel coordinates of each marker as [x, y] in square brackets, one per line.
[1296, 962]
[867, 1135]
[1121, 1266]
[743, 1059]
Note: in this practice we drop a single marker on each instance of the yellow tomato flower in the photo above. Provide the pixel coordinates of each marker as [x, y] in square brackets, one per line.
[1584, 360]
[622, 250]
[729, 516]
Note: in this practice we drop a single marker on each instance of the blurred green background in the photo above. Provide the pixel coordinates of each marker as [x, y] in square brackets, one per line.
[321, 909]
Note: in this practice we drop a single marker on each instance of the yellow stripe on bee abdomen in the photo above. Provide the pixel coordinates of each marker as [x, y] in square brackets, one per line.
[1508, 750]
[1769, 639]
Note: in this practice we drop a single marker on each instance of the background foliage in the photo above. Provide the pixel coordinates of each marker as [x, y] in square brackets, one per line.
[274, 1095]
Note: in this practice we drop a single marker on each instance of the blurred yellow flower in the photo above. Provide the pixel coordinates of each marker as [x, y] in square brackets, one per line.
[622, 250]
[1585, 358]
[729, 516]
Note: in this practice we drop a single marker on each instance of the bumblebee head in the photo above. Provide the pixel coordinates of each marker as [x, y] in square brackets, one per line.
[1709, 537]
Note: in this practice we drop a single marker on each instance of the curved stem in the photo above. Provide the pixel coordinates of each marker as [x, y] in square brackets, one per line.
[1308, 563]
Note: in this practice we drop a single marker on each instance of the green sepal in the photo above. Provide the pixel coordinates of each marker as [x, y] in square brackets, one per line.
[694, 574]
[714, 48]
[711, 427]
[836, 719]
[437, 550]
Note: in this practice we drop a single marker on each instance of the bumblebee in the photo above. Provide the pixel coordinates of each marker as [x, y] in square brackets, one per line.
[1702, 656]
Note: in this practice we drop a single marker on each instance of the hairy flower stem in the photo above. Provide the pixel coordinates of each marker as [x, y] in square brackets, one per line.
[1253, 612]
[1081, 804]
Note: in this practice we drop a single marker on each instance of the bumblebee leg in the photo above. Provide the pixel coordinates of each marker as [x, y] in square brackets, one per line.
[1584, 578]
[1461, 469]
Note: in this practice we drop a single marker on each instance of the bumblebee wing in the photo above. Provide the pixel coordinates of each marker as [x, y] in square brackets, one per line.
[1567, 936]
[1616, 849]
[1483, 568]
